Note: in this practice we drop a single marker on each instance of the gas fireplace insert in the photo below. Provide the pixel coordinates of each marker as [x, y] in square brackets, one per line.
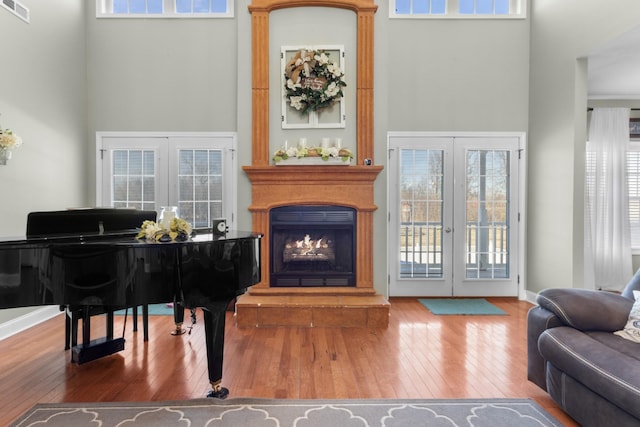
[312, 246]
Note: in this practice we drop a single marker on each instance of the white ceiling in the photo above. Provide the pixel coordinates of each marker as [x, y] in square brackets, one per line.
[614, 69]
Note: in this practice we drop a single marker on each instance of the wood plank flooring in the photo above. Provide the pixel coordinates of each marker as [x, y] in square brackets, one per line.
[418, 356]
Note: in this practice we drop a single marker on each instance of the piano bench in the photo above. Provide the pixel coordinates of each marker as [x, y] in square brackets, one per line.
[75, 314]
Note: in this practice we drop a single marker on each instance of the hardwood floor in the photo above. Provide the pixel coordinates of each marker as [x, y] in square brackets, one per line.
[418, 356]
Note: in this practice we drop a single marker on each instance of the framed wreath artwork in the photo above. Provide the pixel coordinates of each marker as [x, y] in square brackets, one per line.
[313, 87]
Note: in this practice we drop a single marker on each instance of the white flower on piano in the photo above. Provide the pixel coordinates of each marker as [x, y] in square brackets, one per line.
[179, 230]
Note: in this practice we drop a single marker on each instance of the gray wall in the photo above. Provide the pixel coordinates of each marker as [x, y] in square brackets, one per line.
[43, 99]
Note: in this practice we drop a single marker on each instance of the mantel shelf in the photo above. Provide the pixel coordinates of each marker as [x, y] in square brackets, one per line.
[301, 174]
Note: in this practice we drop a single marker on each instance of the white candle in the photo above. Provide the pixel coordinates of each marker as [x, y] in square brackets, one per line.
[325, 143]
[286, 145]
[338, 143]
[303, 142]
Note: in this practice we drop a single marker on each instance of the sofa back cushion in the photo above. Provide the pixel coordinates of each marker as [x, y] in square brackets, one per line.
[631, 330]
[633, 285]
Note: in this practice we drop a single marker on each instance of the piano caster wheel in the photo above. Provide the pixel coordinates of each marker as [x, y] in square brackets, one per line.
[219, 393]
[178, 331]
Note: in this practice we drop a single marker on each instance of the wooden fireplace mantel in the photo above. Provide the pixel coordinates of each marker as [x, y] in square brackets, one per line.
[349, 186]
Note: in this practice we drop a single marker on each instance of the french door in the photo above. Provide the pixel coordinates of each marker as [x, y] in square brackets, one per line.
[454, 214]
[194, 171]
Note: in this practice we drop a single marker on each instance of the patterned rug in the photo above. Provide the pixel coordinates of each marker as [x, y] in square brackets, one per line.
[299, 413]
[454, 306]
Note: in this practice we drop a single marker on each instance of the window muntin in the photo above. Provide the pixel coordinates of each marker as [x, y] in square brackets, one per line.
[484, 7]
[134, 179]
[408, 7]
[137, 6]
[201, 6]
[164, 8]
[200, 179]
[457, 9]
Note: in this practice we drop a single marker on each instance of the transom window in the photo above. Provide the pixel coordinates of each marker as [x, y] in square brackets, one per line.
[457, 8]
[164, 8]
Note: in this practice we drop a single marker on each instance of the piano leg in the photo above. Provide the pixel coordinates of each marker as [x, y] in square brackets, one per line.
[214, 323]
[178, 317]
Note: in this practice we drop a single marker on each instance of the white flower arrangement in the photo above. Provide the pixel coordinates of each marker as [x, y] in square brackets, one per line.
[9, 140]
[312, 81]
[325, 153]
[179, 231]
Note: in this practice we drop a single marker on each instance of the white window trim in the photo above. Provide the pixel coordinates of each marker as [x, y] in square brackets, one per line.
[520, 6]
[103, 8]
[231, 187]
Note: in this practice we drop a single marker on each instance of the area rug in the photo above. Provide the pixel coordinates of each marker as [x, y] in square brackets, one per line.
[154, 310]
[453, 306]
[299, 413]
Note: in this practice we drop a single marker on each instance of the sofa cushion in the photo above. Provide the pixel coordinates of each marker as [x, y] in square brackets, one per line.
[593, 360]
[633, 285]
[631, 330]
[587, 310]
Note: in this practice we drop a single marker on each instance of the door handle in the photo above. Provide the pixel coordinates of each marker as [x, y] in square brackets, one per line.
[447, 230]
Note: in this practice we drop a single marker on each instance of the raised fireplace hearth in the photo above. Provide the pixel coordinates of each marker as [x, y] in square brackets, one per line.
[313, 246]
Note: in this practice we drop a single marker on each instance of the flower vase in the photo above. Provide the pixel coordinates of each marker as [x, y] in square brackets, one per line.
[166, 215]
[5, 155]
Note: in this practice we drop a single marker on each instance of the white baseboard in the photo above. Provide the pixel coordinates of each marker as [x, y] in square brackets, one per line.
[28, 320]
[531, 297]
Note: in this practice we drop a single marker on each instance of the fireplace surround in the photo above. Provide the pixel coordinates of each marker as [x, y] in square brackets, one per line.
[352, 187]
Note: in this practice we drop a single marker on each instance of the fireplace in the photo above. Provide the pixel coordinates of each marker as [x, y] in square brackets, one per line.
[317, 185]
[312, 246]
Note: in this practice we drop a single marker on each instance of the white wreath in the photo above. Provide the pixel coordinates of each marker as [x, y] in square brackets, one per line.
[312, 81]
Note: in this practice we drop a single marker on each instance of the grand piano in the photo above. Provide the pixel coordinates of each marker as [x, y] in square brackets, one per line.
[117, 270]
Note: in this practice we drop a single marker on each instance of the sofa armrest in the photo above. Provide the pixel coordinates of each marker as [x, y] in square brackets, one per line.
[587, 310]
[538, 320]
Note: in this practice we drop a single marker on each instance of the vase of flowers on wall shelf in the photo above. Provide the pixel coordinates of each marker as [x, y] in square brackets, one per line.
[8, 142]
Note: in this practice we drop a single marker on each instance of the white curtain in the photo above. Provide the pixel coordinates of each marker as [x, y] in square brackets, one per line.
[607, 236]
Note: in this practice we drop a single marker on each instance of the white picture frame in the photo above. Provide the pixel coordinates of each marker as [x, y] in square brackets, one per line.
[327, 118]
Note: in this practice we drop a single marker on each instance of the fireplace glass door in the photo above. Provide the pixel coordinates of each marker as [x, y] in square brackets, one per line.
[312, 246]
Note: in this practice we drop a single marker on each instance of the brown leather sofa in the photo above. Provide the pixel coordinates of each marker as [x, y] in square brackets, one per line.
[591, 373]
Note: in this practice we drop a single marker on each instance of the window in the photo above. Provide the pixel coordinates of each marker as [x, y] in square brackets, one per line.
[17, 8]
[418, 7]
[633, 182]
[195, 172]
[457, 8]
[633, 186]
[164, 8]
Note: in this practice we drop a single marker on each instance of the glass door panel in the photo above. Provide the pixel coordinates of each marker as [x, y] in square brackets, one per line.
[421, 221]
[487, 209]
[486, 205]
